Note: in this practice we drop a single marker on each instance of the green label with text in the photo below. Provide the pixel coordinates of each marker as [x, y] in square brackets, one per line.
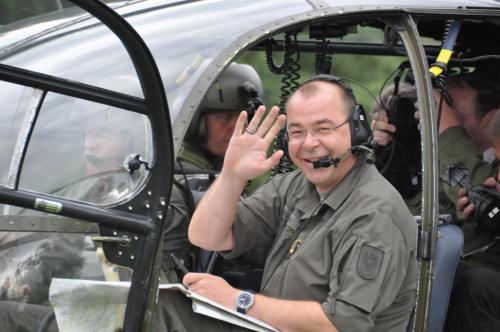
[48, 206]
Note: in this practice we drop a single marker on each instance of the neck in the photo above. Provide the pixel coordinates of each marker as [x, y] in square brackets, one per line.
[343, 169]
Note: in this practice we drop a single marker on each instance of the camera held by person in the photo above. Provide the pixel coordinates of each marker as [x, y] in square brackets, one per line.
[486, 200]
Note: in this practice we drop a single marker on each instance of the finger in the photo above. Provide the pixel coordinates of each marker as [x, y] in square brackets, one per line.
[240, 124]
[274, 159]
[253, 126]
[268, 121]
[276, 127]
[384, 126]
[490, 182]
[192, 277]
[469, 210]
[462, 203]
[462, 192]
[380, 134]
[380, 116]
[382, 138]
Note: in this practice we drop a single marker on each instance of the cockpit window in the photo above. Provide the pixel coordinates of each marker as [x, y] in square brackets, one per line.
[19, 105]
[183, 44]
[68, 56]
[82, 150]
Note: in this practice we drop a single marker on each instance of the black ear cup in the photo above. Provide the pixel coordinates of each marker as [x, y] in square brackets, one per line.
[358, 124]
[197, 129]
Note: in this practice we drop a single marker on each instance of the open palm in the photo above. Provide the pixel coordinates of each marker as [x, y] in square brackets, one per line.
[246, 156]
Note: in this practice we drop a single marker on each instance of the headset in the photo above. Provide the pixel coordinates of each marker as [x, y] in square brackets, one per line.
[360, 130]
[358, 122]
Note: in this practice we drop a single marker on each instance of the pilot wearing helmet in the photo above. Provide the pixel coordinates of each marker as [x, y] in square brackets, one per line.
[200, 157]
[210, 131]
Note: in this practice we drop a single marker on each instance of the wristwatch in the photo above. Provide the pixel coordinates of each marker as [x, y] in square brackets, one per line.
[244, 301]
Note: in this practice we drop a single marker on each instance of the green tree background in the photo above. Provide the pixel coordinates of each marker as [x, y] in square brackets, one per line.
[370, 71]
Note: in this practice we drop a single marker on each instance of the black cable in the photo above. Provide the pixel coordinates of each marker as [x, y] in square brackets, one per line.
[45, 321]
[269, 57]
[289, 82]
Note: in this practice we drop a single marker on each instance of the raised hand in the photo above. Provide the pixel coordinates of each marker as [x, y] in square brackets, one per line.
[246, 156]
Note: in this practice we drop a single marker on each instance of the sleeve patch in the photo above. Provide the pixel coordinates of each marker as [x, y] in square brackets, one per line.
[369, 262]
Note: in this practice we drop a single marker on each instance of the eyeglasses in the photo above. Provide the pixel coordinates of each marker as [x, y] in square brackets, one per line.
[295, 135]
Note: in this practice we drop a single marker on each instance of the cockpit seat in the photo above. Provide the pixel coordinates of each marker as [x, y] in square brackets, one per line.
[449, 248]
[205, 262]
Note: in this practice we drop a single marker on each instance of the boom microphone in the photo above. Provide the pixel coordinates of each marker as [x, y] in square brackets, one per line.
[326, 162]
[356, 150]
[329, 161]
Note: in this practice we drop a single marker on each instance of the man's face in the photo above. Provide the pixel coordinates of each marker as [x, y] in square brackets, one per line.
[220, 127]
[104, 151]
[310, 123]
[463, 104]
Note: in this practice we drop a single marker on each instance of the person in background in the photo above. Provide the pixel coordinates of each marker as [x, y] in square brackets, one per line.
[199, 159]
[475, 300]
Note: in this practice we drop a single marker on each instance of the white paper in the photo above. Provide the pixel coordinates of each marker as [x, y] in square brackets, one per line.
[88, 305]
[207, 307]
[99, 306]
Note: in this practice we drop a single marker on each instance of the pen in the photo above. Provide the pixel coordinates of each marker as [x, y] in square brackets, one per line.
[178, 263]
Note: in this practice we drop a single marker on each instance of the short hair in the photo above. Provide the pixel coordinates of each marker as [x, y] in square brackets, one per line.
[486, 81]
[311, 87]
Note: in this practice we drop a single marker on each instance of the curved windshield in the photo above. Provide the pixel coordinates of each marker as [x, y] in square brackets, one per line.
[183, 38]
[19, 105]
[83, 150]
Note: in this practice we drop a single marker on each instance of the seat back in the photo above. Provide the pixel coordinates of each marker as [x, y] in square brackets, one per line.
[448, 251]
[205, 258]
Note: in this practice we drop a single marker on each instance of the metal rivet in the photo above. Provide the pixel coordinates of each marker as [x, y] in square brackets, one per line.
[130, 207]
[147, 205]
[149, 192]
[136, 238]
[132, 257]
[159, 215]
[119, 253]
[162, 201]
[115, 233]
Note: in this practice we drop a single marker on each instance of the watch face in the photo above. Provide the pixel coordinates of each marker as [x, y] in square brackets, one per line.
[244, 300]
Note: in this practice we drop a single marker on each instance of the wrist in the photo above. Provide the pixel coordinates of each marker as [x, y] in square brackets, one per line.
[233, 179]
[244, 301]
